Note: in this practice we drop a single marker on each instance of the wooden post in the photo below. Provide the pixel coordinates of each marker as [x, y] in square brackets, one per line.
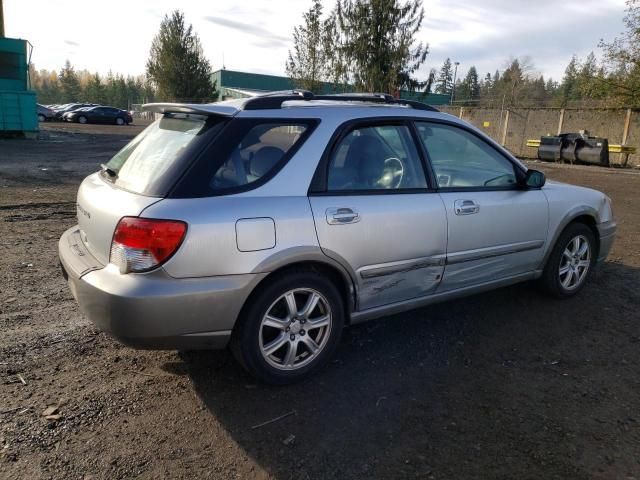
[561, 121]
[505, 128]
[461, 112]
[624, 157]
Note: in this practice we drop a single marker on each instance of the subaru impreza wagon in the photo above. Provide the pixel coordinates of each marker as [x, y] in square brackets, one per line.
[268, 224]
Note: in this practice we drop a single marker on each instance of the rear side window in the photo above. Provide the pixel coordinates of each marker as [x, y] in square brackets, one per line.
[246, 154]
[259, 152]
[148, 159]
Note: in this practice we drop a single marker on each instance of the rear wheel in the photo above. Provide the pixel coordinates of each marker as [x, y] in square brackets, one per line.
[570, 262]
[82, 119]
[119, 121]
[290, 328]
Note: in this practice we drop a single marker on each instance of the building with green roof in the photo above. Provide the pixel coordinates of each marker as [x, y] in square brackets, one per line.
[232, 84]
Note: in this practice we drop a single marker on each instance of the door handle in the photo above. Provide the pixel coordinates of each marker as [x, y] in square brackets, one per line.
[465, 207]
[342, 216]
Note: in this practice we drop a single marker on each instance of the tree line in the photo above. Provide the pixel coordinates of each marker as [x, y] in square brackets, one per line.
[612, 81]
[177, 70]
[365, 46]
[362, 45]
[69, 85]
[371, 46]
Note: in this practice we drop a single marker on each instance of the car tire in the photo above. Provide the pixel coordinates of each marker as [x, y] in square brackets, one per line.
[570, 262]
[120, 121]
[41, 118]
[307, 338]
[82, 119]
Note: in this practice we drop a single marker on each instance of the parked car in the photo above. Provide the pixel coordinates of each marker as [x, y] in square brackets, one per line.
[65, 115]
[44, 113]
[100, 114]
[268, 224]
[70, 107]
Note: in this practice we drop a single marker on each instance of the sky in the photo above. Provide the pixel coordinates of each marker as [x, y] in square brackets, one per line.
[255, 35]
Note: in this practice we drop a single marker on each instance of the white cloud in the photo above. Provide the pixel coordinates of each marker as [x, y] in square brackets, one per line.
[255, 35]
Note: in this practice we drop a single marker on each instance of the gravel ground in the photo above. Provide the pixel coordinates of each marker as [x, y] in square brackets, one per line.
[508, 384]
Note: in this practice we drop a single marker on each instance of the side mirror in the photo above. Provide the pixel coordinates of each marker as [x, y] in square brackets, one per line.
[534, 179]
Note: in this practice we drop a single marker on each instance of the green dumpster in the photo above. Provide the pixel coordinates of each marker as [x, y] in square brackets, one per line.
[17, 102]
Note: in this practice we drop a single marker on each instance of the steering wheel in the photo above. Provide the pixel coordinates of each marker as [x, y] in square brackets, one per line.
[393, 173]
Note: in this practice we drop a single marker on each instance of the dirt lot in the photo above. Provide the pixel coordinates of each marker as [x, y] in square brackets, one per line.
[509, 384]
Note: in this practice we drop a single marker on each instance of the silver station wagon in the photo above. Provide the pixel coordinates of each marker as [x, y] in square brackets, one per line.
[268, 224]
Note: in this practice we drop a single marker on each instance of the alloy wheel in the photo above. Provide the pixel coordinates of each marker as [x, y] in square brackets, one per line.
[295, 329]
[575, 262]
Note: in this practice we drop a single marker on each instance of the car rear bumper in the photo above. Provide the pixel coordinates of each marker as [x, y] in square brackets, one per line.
[154, 310]
[607, 234]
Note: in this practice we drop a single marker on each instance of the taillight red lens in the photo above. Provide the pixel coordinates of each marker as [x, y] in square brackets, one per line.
[140, 244]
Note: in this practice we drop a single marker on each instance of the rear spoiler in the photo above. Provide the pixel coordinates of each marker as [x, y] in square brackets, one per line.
[200, 109]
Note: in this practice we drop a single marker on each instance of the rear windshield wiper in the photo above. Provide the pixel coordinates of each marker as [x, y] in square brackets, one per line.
[112, 173]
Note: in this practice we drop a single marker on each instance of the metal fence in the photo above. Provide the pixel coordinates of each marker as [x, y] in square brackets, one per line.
[513, 127]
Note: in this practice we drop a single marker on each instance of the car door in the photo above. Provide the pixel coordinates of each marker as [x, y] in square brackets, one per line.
[94, 115]
[375, 213]
[496, 228]
[110, 115]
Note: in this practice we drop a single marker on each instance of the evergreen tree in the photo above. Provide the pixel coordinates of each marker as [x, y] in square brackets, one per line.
[307, 63]
[69, 83]
[470, 87]
[445, 78]
[177, 64]
[551, 87]
[373, 44]
[486, 86]
[568, 88]
[94, 90]
[535, 93]
[587, 84]
[431, 80]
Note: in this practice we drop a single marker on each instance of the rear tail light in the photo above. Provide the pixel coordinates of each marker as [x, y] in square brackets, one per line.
[141, 244]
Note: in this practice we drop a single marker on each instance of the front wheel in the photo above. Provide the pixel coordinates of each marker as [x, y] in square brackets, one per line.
[290, 328]
[41, 118]
[82, 119]
[119, 121]
[570, 262]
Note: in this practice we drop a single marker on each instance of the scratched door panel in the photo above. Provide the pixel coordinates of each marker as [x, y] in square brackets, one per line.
[394, 248]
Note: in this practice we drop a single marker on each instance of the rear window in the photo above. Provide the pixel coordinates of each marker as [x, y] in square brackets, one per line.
[146, 165]
[257, 154]
[244, 156]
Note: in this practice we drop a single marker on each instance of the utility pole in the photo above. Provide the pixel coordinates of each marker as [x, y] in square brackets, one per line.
[1, 20]
[453, 88]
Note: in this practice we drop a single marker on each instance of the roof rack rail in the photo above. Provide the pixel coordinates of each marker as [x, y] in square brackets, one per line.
[274, 100]
[376, 98]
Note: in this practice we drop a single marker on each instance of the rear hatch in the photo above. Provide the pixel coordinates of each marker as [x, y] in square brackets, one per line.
[139, 175]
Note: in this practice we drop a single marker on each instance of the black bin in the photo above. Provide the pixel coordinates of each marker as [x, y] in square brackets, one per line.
[575, 148]
[550, 149]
